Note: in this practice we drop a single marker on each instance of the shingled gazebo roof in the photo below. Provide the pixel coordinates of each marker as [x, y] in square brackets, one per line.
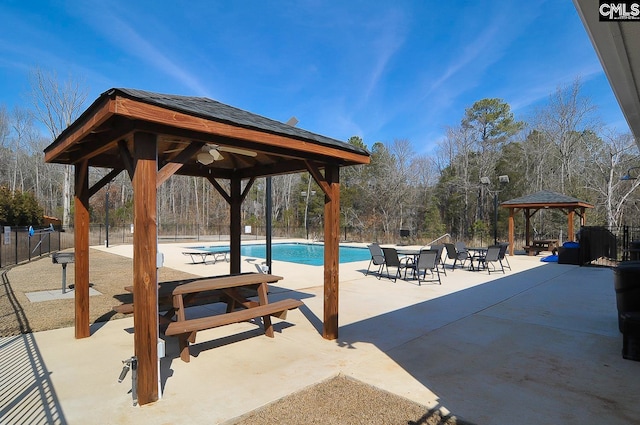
[180, 121]
[545, 199]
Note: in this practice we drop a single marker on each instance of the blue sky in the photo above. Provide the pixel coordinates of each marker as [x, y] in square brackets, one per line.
[380, 70]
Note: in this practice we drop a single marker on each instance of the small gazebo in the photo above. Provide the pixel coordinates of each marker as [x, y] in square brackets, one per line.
[152, 136]
[545, 199]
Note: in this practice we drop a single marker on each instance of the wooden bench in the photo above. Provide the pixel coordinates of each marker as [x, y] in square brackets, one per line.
[276, 309]
[532, 250]
[239, 308]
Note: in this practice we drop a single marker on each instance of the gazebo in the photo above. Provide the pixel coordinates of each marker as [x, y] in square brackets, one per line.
[544, 199]
[152, 136]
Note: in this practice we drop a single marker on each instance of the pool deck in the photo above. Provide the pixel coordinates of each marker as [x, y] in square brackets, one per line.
[538, 344]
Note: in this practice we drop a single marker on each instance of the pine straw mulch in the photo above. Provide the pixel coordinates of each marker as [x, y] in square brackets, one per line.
[108, 274]
[344, 400]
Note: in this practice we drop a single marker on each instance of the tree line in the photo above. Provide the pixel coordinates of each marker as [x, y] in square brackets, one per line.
[562, 146]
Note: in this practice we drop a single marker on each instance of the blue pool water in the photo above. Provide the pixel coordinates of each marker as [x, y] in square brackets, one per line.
[301, 253]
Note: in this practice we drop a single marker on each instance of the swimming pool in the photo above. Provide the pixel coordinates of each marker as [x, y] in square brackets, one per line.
[300, 253]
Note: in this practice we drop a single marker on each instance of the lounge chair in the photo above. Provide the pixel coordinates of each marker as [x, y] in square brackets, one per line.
[427, 260]
[391, 259]
[377, 258]
[455, 255]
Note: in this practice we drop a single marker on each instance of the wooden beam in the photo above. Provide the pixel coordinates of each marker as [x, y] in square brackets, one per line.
[156, 114]
[127, 159]
[570, 232]
[145, 279]
[220, 189]
[102, 113]
[97, 143]
[247, 188]
[104, 181]
[527, 220]
[177, 161]
[317, 176]
[331, 251]
[511, 230]
[235, 228]
[81, 242]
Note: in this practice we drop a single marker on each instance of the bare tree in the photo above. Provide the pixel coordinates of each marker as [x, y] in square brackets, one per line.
[607, 161]
[57, 104]
[563, 122]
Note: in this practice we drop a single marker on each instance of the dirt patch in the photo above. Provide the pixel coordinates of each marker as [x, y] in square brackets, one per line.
[344, 400]
[108, 274]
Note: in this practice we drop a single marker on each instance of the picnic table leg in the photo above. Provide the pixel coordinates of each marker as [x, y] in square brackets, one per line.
[183, 339]
[263, 290]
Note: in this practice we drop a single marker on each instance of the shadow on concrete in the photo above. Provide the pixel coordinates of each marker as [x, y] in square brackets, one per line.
[506, 351]
[26, 391]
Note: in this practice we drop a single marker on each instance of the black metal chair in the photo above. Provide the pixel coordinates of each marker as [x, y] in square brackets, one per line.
[391, 259]
[503, 256]
[377, 258]
[427, 260]
[492, 258]
[455, 255]
[439, 261]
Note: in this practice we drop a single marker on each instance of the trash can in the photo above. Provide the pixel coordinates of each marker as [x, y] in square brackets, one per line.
[631, 336]
[626, 281]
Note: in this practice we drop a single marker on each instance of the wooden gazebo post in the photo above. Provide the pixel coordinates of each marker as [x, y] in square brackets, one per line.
[331, 252]
[145, 276]
[81, 252]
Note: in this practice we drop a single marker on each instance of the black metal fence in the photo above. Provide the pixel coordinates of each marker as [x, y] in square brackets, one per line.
[600, 245]
[606, 246]
[24, 244]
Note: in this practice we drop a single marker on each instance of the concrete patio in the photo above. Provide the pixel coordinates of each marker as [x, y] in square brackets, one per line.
[539, 344]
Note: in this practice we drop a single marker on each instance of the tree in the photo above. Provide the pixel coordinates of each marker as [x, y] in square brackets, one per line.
[19, 208]
[563, 122]
[57, 104]
[491, 124]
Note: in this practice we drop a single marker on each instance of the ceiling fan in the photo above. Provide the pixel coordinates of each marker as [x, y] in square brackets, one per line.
[210, 153]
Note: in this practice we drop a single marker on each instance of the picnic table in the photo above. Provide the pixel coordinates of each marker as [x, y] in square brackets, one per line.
[541, 245]
[230, 289]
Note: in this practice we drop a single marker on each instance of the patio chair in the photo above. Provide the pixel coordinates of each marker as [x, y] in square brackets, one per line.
[461, 246]
[377, 258]
[427, 260]
[391, 259]
[439, 261]
[503, 256]
[455, 255]
[492, 258]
